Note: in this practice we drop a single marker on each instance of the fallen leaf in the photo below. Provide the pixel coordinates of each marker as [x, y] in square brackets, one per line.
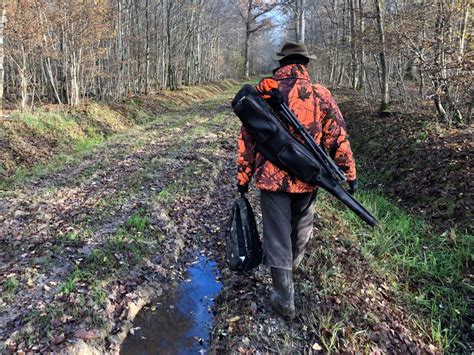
[58, 339]
[85, 334]
[253, 308]
[233, 319]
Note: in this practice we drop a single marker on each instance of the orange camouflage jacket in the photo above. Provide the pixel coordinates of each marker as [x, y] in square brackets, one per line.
[316, 109]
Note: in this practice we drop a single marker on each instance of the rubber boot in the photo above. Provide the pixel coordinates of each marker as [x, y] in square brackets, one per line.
[283, 297]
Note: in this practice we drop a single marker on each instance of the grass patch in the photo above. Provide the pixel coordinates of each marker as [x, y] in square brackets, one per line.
[70, 284]
[85, 145]
[42, 321]
[122, 250]
[45, 134]
[57, 126]
[429, 270]
[168, 193]
[10, 285]
[138, 221]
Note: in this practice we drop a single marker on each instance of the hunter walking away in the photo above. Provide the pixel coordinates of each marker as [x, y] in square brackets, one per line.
[236, 176]
[288, 203]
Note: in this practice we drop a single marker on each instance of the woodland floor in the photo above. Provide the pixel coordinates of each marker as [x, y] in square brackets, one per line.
[85, 244]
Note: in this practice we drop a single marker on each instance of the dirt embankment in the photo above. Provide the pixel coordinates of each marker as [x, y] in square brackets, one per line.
[425, 166]
[29, 138]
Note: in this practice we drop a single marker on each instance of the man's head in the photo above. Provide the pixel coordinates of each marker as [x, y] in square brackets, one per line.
[294, 59]
[293, 53]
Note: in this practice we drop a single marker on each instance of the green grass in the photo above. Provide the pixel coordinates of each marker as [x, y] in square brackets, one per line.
[427, 269]
[10, 285]
[138, 221]
[42, 321]
[23, 174]
[70, 284]
[86, 144]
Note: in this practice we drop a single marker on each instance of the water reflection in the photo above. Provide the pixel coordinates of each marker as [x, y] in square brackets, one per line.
[179, 323]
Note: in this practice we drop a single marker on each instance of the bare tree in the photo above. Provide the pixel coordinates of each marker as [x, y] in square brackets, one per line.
[62, 52]
[2, 22]
[379, 10]
[300, 9]
[297, 22]
[253, 14]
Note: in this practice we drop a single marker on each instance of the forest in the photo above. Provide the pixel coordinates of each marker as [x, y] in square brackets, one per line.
[117, 177]
[64, 52]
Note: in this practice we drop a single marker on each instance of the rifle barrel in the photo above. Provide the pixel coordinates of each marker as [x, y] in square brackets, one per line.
[331, 176]
[319, 152]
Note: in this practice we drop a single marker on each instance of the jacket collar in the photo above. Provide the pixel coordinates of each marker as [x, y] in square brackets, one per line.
[291, 71]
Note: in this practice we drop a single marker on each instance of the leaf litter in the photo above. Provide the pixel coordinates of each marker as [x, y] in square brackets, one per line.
[56, 230]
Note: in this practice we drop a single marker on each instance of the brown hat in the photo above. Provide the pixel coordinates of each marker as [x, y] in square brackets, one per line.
[291, 48]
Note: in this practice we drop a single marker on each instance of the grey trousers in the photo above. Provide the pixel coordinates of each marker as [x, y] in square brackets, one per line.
[287, 227]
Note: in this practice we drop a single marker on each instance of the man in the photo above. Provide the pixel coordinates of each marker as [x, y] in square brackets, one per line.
[288, 203]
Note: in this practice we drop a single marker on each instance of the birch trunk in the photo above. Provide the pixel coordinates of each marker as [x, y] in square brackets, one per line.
[300, 20]
[2, 22]
[383, 61]
[354, 63]
[147, 47]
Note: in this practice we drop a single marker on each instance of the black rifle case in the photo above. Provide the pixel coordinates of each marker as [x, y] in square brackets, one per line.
[274, 141]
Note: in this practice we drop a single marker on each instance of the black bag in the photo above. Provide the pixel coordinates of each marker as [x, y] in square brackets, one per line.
[243, 250]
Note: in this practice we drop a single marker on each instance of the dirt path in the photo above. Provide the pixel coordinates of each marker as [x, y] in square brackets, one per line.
[85, 246]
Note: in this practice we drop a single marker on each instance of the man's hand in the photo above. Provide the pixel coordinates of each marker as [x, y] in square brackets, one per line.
[243, 189]
[353, 186]
[275, 99]
[265, 87]
[268, 87]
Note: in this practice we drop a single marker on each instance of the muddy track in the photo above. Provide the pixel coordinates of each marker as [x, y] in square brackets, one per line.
[53, 223]
[91, 243]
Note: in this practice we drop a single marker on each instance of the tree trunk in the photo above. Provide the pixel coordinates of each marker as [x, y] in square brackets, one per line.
[384, 107]
[362, 68]
[2, 22]
[246, 53]
[171, 74]
[464, 27]
[354, 63]
[439, 60]
[50, 75]
[24, 90]
[300, 21]
[147, 47]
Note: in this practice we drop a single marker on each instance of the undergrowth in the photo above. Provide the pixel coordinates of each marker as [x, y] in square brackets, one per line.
[427, 270]
[29, 139]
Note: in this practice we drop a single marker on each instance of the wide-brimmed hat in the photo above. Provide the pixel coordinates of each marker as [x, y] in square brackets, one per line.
[292, 48]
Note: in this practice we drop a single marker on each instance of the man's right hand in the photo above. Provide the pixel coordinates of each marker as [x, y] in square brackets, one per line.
[266, 86]
[275, 99]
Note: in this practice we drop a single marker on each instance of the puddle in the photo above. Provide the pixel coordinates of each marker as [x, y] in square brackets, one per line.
[179, 323]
